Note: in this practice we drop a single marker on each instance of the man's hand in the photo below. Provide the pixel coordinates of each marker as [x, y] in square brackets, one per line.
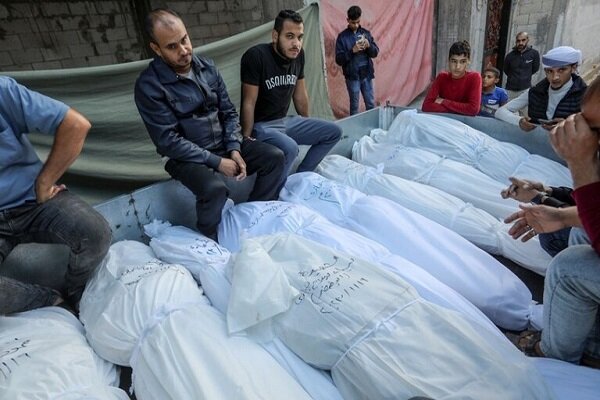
[44, 192]
[228, 167]
[578, 144]
[237, 157]
[357, 47]
[525, 125]
[534, 219]
[439, 100]
[523, 190]
[550, 125]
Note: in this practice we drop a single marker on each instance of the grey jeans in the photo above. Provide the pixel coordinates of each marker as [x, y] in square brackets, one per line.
[64, 219]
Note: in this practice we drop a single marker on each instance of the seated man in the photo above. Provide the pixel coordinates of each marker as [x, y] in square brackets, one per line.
[457, 90]
[552, 99]
[572, 285]
[272, 75]
[184, 104]
[492, 96]
[33, 208]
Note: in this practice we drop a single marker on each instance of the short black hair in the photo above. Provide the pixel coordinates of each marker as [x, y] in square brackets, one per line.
[158, 14]
[286, 14]
[354, 13]
[493, 70]
[462, 48]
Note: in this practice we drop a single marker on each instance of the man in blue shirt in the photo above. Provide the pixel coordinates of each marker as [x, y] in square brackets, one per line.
[33, 207]
[354, 50]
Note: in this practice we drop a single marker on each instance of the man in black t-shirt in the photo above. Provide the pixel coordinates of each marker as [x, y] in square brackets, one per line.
[272, 75]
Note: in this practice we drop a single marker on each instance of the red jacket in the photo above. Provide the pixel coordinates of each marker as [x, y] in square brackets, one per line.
[461, 96]
[588, 207]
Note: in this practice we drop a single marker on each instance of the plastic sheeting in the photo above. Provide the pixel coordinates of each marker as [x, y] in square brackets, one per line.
[372, 329]
[474, 224]
[151, 315]
[44, 355]
[457, 141]
[419, 165]
[118, 154]
[403, 31]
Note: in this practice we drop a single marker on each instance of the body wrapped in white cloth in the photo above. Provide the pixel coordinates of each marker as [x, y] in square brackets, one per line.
[44, 355]
[151, 315]
[474, 224]
[380, 339]
[473, 273]
[453, 139]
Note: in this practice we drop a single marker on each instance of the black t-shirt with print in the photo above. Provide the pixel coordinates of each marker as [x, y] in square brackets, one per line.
[275, 77]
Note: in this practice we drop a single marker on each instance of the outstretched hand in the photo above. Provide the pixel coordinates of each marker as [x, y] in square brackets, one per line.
[522, 190]
[533, 219]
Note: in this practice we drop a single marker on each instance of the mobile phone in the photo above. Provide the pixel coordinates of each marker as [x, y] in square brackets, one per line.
[547, 121]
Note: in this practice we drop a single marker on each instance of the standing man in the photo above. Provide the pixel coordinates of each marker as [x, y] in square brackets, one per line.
[33, 207]
[184, 104]
[272, 76]
[354, 50]
[520, 65]
[552, 99]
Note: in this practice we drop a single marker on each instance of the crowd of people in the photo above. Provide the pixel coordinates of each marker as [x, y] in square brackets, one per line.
[194, 125]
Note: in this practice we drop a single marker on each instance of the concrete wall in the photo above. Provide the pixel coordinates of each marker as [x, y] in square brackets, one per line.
[550, 23]
[73, 33]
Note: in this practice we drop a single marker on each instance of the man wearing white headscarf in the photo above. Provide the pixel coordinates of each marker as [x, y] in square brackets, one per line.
[554, 98]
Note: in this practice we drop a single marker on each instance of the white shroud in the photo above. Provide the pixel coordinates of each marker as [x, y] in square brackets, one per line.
[474, 224]
[458, 141]
[142, 312]
[380, 339]
[458, 179]
[456, 262]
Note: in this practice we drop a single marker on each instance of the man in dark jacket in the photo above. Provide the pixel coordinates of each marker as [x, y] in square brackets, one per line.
[520, 65]
[354, 50]
[552, 99]
[184, 104]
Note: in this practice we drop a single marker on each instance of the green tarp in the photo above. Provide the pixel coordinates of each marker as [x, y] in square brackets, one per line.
[118, 154]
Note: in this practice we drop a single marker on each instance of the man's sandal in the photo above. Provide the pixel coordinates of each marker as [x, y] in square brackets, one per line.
[529, 343]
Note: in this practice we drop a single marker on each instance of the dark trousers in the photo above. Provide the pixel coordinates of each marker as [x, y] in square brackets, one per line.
[64, 219]
[211, 191]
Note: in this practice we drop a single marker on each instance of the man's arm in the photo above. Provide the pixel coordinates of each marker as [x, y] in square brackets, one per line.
[249, 96]
[472, 103]
[67, 145]
[232, 136]
[371, 49]
[430, 104]
[577, 144]
[162, 126]
[536, 63]
[300, 98]
[509, 111]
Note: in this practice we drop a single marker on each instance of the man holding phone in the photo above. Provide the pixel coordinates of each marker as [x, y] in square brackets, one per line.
[554, 98]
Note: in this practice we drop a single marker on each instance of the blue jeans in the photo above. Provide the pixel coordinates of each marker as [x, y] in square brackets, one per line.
[355, 88]
[64, 219]
[289, 132]
[571, 299]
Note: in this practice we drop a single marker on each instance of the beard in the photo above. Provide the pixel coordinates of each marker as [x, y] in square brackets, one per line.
[282, 51]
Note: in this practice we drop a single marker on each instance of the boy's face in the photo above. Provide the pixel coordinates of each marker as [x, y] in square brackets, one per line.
[458, 65]
[489, 79]
[353, 24]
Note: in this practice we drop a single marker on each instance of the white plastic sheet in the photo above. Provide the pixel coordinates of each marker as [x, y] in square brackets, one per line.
[460, 142]
[209, 262]
[475, 225]
[140, 311]
[458, 179]
[470, 271]
[44, 355]
[380, 339]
